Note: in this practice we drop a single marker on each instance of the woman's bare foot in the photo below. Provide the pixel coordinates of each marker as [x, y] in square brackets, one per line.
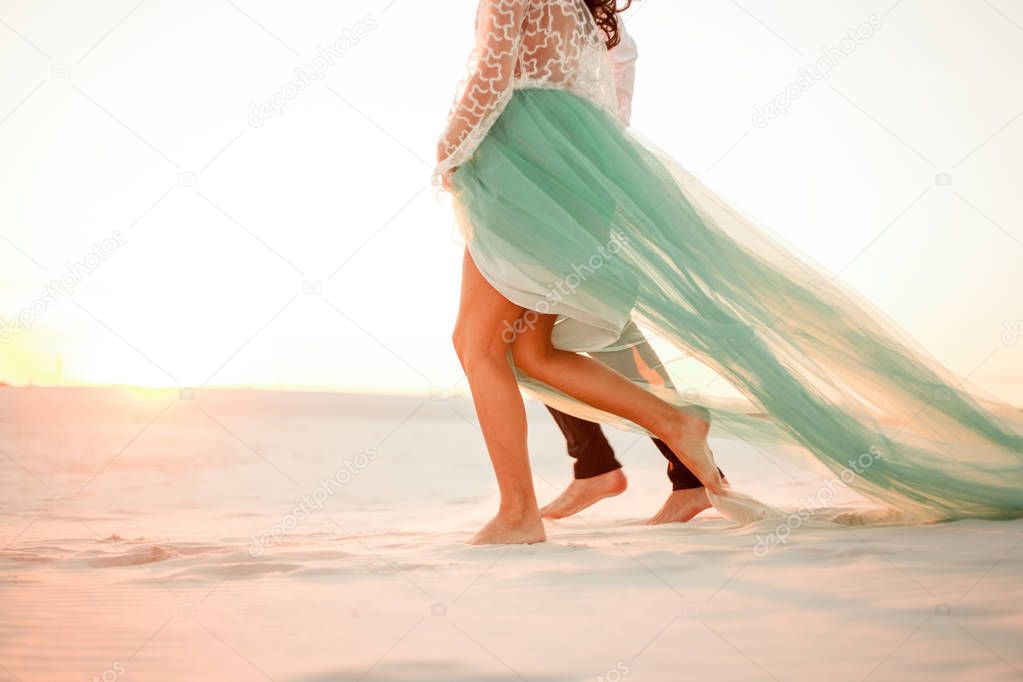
[686, 435]
[511, 529]
[583, 492]
[681, 506]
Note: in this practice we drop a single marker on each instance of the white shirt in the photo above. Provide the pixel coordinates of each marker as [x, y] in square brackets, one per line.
[623, 61]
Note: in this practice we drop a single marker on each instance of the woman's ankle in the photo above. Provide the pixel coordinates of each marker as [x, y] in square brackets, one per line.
[678, 422]
[517, 511]
[669, 425]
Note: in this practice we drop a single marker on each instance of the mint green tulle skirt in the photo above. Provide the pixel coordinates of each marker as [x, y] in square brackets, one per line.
[565, 211]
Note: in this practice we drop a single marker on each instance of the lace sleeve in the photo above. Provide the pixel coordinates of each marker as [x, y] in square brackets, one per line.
[623, 64]
[488, 88]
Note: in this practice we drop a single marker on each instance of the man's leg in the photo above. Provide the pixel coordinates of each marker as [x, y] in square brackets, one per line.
[597, 473]
[688, 496]
[594, 456]
[586, 445]
[641, 363]
[681, 478]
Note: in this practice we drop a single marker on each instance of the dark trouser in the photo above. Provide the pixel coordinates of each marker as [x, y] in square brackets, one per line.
[593, 454]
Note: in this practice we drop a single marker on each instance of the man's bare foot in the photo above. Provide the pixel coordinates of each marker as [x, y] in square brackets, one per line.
[583, 492]
[681, 506]
[511, 529]
[687, 438]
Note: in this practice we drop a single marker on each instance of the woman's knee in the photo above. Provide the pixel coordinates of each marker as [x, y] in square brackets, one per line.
[532, 355]
[473, 345]
[460, 340]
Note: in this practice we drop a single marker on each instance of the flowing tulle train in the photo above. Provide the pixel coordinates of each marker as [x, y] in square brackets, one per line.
[565, 211]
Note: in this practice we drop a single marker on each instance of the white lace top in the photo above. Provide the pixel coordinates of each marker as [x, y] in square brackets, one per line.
[525, 44]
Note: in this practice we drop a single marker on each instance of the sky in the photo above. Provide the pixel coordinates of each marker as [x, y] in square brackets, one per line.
[171, 214]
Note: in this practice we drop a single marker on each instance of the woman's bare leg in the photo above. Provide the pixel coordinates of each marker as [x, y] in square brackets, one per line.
[594, 383]
[482, 348]
[482, 341]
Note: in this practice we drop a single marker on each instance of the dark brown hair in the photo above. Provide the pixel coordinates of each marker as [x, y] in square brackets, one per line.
[606, 14]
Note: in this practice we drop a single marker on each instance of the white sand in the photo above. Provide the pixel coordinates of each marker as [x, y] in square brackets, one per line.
[147, 573]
